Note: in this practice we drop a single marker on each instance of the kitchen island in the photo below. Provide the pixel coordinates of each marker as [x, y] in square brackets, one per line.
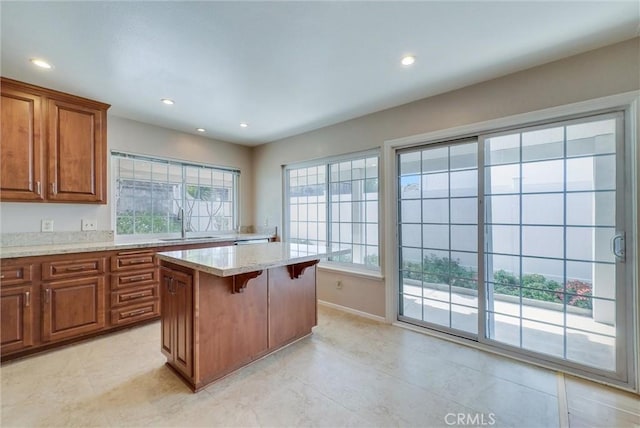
[224, 307]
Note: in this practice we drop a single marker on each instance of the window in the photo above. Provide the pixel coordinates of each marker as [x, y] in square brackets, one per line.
[151, 194]
[335, 203]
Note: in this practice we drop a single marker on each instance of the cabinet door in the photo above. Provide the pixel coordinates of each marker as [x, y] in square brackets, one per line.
[183, 305]
[21, 157]
[77, 152]
[167, 317]
[17, 318]
[72, 307]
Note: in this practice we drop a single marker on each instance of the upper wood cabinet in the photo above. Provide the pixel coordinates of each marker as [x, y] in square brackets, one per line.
[63, 133]
[21, 155]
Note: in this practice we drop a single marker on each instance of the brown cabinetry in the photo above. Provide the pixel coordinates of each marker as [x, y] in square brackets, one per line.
[72, 307]
[21, 156]
[73, 297]
[213, 325]
[65, 134]
[292, 304]
[16, 307]
[134, 287]
[77, 151]
[48, 301]
[177, 320]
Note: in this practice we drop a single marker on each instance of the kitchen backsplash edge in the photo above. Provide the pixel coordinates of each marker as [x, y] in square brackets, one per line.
[22, 239]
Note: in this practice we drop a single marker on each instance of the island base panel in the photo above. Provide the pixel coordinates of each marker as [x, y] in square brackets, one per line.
[233, 328]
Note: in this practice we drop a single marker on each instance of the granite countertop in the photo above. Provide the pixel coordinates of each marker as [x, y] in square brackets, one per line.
[84, 247]
[228, 261]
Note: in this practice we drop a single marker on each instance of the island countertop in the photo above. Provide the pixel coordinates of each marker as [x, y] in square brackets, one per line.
[237, 259]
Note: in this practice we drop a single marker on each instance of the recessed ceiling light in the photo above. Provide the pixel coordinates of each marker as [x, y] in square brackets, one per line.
[244, 125]
[167, 101]
[200, 129]
[408, 60]
[40, 63]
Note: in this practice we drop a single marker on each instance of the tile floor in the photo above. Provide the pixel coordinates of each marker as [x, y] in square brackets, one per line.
[350, 372]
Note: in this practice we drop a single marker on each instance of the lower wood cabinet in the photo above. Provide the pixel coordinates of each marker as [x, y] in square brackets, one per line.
[16, 329]
[135, 313]
[177, 319]
[213, 325]
[47, 301]
[72, 307]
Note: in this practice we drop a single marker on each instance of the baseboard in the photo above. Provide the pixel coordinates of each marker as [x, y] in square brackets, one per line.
[352, 311]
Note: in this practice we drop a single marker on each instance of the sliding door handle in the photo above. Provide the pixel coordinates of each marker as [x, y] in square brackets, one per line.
[618, 245]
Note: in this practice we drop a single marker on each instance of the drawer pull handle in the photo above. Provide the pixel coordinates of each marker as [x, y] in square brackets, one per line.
[75, 268]
[134, 296]
[27, 299]
[134, 313]
[137, 278]
[137, 261]
[2, 276]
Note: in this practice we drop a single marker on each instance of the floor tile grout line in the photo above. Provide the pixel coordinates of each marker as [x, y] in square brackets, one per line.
[563, 407]
[346, 356]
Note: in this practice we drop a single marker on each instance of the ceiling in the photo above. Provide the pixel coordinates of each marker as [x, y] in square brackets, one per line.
[288, 67]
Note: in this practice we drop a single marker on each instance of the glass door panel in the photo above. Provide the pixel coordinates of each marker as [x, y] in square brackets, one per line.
[438, 216]
[551, 212]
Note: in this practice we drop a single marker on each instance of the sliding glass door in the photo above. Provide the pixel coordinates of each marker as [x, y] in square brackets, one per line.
[438, 189]
[545, 275]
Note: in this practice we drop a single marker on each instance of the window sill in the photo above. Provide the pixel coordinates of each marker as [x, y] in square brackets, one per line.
[362, 273]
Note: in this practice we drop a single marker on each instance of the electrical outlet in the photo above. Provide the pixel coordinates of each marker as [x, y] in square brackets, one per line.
[46, 225]
[90, 224]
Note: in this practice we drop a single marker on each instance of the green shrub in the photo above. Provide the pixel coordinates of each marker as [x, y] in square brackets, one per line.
[538, 287]
[442, 270]
[146, 223]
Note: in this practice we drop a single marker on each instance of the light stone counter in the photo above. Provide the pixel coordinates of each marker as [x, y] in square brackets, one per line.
[228, 261]
[84, 247]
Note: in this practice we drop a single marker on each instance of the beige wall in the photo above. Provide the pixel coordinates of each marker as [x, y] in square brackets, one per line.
[606, 71]
[135, 137]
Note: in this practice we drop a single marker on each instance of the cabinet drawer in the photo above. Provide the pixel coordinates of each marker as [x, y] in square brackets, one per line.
[16, 274]
[135, 313]
[133, 260]
[134, 295]
[132, 279]
[73, 268]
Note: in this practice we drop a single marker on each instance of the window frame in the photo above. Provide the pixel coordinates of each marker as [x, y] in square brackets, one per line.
[326, 163]
[183, 164]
